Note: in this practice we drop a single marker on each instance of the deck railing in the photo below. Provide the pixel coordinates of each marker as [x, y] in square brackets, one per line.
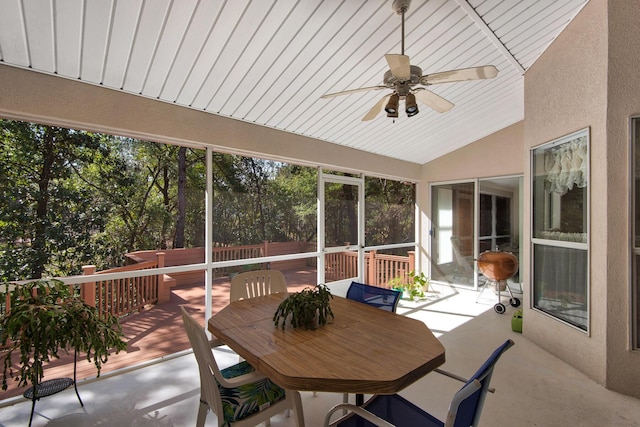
[230, 253]
[379, 269]
[120, 297]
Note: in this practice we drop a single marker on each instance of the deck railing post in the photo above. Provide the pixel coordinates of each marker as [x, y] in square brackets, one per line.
[88, 289]
[372, 278]
[265, 252]
[164, 290]
[412, 260]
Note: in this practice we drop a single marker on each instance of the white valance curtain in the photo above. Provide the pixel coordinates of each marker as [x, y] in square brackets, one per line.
[566, 166]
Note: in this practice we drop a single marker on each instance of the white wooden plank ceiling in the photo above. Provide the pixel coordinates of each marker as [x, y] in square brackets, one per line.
[269, 61]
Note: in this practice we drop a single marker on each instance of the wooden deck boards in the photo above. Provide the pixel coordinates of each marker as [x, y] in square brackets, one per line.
[157, 331]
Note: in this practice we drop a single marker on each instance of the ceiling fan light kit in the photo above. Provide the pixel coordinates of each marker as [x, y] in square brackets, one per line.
[408, 82]
[410, 105]
[392, 105]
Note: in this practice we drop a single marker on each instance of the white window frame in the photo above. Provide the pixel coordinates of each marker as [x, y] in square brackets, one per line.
[560, 243]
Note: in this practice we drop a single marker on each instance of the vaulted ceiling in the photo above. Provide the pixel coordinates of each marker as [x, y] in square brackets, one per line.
[269, 61]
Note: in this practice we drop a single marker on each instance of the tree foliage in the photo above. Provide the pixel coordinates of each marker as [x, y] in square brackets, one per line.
[70, 198]
[46, 217]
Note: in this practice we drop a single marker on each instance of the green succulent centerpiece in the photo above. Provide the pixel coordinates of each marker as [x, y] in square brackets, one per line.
[43, 319]
[309, 308]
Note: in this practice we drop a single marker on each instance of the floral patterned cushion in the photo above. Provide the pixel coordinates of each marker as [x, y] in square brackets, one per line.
[240, 402]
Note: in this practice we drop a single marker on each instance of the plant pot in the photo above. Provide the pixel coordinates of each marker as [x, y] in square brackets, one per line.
[516, 321]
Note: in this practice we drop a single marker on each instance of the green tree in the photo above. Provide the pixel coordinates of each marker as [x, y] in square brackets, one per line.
[45, 217]
[390, 207]
[294, 192]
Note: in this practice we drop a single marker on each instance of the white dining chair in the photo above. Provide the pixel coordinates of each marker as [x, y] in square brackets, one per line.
[238, 395]
[257, 283]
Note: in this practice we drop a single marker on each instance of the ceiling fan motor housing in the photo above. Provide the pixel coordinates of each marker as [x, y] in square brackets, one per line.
[402, 87]
[400, 6]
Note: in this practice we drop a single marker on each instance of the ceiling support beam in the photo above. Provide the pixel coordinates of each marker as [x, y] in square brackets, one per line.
[471, 12]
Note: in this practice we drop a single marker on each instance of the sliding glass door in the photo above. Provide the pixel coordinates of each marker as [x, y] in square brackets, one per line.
[469, 218]
[452, 233]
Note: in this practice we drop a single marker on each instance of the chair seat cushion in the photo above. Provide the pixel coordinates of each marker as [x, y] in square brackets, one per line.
[394, 409]
[240, 402]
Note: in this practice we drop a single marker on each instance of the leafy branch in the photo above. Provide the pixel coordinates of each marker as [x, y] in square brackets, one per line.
[45, 318]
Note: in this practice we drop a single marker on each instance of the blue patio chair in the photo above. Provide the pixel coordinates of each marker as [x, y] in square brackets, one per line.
[386, 299]
[394, 410]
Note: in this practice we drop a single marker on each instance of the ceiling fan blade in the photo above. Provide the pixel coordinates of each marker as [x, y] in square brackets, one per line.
[376, 109]
[350, 91]
[433, 101]
[475, 73]
[399, 65]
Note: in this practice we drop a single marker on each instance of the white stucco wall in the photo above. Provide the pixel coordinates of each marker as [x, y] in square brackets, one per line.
[498, 154]
[565, 91]
[623, 101]
[588, 78]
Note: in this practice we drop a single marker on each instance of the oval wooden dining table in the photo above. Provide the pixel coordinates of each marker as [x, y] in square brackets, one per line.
[363, 350]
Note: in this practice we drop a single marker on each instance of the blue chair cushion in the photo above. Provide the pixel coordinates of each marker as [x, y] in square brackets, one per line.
[240, 402]
[395, 409]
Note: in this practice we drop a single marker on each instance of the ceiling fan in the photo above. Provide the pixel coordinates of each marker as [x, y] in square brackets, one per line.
[408, 82]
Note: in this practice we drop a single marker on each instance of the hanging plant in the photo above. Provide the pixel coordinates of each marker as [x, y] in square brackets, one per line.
[308, 308]
[44, 319]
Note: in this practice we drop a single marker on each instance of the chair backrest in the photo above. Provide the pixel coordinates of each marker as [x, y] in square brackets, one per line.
[207, 365]
[467, 403]
[386, 299]
[257, 283]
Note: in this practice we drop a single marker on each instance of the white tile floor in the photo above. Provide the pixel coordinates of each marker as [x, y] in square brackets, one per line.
[533, 387]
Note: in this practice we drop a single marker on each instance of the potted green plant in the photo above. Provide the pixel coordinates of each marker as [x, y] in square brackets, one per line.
[413, 287]
[516, 321]
[309, 308]
[43, 319]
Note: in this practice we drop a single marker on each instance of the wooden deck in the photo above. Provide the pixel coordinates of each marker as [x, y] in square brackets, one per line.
[157, 331]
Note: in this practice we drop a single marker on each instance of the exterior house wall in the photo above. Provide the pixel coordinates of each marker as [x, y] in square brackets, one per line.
[565, 91]
[505, 148]
[52, 100]
[588, 78]
[623, 87]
